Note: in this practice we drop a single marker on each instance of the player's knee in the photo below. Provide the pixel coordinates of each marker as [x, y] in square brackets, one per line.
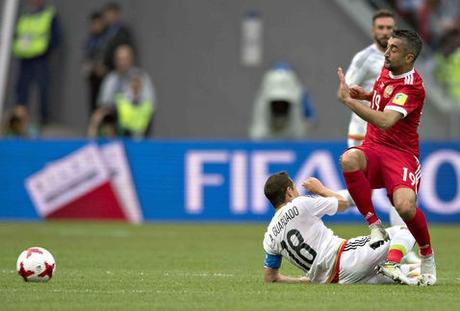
[406, 208]
[350, 160]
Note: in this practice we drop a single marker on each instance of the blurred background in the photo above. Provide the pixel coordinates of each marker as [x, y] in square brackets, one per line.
[195, 71]
[193, 55]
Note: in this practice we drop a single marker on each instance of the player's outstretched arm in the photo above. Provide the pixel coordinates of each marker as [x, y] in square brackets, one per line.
[381, 119]
[273, 275]
[315, 186]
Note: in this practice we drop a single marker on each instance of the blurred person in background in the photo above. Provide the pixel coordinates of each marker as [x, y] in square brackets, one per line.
[93, 64]
[119, 79]
[131, 116]
[134, 113]
[117, 33]
[282, 108]
[17, 124]
[103, 124]
[37, 35]
[437, 18]
[447, 62]
[431, 18]
[409, 10]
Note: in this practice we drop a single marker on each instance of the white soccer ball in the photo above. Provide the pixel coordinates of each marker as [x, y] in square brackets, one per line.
[36, 264]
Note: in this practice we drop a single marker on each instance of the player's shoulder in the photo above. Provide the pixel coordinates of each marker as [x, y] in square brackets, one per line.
[363, 55]
[303, 198]
[306, 201]
[412, 81]
[417, 78]
[368, 50]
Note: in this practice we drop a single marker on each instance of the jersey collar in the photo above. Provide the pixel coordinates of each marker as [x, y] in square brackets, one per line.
[406, 74]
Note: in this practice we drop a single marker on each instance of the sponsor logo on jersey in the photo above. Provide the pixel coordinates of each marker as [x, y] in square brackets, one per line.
[399, 99]
[387, 92]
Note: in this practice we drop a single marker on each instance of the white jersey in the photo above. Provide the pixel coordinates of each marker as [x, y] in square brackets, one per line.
[364, 70]
[297, 233]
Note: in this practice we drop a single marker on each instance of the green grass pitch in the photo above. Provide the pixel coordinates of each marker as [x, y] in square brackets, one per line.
[112, 266]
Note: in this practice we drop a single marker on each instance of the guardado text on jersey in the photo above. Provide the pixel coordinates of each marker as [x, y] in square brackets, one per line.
[288, 215]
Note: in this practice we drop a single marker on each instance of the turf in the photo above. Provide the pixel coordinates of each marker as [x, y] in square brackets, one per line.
[114, 266]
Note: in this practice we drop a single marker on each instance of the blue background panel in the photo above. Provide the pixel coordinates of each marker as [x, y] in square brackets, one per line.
[223, 180]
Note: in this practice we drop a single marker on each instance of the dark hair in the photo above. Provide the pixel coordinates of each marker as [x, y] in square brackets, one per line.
[110, 118]
[276, 186]
[382, 13]
[13, 121]
[413, 42]
[112, 6]
[95, 15]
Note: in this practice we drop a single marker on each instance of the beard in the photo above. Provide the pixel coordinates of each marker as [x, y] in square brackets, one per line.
[382, 43]
[390, 66]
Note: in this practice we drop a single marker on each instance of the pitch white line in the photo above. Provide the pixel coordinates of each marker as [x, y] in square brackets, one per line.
[199, 274]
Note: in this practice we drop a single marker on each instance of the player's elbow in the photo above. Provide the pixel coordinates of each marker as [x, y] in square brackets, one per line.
[388, 119]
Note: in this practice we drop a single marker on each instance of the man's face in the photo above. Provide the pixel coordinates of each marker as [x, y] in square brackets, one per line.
[395, 55]
[382, 29]
[123, 59]
[36, 4]
[111, 16]
[97, 26]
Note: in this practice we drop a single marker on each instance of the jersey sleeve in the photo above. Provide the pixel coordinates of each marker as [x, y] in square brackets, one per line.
[272, 257]
[272, 261]
[320, 206]
[405, 100]
[357, 71]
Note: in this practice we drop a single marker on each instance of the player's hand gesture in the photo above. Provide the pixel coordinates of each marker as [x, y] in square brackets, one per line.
[357, 92]
[344, 91]
[313, 185]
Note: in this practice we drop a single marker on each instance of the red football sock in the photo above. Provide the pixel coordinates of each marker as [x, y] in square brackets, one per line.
[395, 255]
[419, 229]
[361, 192]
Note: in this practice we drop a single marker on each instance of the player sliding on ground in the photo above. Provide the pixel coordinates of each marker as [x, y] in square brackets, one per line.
[297, 233]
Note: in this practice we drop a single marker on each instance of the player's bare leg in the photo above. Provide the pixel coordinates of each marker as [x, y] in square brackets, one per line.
[353, 164]
[404, 200]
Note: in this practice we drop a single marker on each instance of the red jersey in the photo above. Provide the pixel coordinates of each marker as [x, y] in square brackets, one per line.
[405, 94]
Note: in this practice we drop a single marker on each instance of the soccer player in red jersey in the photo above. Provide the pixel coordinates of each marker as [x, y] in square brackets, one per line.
[388, 157]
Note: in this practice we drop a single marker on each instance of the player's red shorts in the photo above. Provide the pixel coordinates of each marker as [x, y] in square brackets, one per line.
[391, 168]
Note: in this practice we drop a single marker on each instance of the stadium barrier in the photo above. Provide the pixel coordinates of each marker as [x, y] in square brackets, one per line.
[193, 180]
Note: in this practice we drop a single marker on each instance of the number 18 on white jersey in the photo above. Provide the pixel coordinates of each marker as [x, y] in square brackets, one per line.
[297, 233]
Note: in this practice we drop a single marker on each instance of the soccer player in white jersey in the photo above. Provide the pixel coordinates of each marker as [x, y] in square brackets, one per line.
[363, 71]
[298, 234]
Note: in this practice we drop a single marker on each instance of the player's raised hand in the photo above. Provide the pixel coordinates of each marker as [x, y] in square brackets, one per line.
[357, 92]
[313, 185]
[343, 92]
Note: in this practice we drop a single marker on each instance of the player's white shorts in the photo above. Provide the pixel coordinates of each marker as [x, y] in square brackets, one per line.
[358, 261]
[356, 130]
